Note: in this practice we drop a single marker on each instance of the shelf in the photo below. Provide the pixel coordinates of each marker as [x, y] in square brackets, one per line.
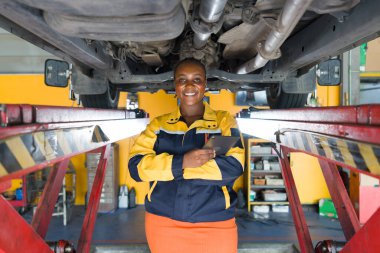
[269, 202]
[265, 171]
[254, 155]
[267, 186]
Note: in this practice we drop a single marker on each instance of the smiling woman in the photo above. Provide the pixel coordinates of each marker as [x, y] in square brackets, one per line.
[190, 87]
[190, 204]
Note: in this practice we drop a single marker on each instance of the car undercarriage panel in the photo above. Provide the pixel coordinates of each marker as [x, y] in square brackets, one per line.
[134, 44]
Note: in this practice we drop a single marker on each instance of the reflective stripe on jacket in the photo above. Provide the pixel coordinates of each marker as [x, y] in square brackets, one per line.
[191, 194]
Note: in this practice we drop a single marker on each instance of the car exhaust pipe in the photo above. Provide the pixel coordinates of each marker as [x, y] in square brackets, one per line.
[210, 12]
[270, 48]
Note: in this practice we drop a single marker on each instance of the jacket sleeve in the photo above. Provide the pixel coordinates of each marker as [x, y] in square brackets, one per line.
[223, 169]
[145, 165]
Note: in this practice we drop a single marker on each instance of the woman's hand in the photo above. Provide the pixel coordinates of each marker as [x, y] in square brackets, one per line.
[197, 157]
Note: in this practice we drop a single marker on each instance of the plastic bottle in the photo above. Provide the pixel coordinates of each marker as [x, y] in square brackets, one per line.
[19, 195]
[132, 198]
[123, 197]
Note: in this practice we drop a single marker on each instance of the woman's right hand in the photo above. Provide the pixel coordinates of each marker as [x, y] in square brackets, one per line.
[197, 157]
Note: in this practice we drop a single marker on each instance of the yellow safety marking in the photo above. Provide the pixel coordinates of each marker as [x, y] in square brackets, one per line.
[313, 148]
[346, 154]
[299, 141]
[63, 143]
[44, 146]
[20, 152]
[370, 74]
[3, 171]
[97, 134]
[226, 196]
[326, 147]
[370, 158]
[151, 190]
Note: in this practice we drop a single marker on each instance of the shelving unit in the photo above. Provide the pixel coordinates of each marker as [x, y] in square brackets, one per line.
[258, 152]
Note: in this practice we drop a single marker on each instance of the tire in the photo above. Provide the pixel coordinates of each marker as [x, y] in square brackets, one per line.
[278, 99]
[107, 100]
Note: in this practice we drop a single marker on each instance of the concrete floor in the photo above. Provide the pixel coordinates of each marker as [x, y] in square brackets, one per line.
[124, 228]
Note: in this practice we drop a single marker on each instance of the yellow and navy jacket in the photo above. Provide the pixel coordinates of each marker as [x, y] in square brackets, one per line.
[199, 194]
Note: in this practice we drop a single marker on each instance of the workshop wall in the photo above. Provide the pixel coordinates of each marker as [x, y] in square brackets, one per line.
[373, 56]
[30, 89]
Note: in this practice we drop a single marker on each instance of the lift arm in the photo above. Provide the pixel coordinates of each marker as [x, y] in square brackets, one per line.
[34, 137]
[346, 136]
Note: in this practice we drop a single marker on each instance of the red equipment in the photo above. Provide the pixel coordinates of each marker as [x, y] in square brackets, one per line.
[34, 137]
[348, 136]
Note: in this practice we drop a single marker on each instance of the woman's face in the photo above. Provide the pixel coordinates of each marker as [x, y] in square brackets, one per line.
[190, 83]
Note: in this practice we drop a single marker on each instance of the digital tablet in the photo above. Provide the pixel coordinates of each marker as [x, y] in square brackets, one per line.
[221, 144]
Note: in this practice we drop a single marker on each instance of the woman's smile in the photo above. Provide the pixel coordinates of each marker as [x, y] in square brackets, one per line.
[190, 84]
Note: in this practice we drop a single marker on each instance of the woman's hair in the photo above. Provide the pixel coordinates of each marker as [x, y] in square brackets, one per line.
[191, 61]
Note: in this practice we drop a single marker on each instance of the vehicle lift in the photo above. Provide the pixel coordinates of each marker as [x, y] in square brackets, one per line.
[346, 136]
[34, 137]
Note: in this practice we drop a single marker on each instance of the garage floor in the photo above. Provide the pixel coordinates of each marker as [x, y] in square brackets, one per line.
[123, 227]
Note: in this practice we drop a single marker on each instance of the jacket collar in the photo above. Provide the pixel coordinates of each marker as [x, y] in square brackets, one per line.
[209, 115]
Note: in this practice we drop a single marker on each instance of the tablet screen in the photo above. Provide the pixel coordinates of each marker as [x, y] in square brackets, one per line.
[221, 144]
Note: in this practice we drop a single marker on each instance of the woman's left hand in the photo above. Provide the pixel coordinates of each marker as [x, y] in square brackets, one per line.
[197, 157]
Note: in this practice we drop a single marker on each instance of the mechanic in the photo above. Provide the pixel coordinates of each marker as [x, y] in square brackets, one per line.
[190, 204]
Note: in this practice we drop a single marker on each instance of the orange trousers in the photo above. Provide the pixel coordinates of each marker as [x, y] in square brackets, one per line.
[165, 235]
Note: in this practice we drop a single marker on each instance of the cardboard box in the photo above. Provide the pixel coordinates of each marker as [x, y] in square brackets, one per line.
[261, 209]
[270, 195]
[280, 208]
[373, 56]
[258, 150]
[275, 181]
[259, 181]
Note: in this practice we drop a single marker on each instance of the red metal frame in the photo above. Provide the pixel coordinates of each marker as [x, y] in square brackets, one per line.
[302, 230]
[4, 186]
[16, 235]
[108, 125]
[346, 212]
[45, 208]
[359, 125]
[85, 238]
[367, 238]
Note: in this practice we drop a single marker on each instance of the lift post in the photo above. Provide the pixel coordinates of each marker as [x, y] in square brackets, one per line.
[35, 137]
[346, 136]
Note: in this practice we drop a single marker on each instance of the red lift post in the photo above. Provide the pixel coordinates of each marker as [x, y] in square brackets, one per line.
[34, 137]
[345, 136]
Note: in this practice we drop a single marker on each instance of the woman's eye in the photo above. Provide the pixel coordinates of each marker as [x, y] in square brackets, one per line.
[197, 80]
[181, 80]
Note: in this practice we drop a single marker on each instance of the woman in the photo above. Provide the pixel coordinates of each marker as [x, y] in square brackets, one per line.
[190, 204]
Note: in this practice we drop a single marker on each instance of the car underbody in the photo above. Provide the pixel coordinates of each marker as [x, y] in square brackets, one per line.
[132, 45]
